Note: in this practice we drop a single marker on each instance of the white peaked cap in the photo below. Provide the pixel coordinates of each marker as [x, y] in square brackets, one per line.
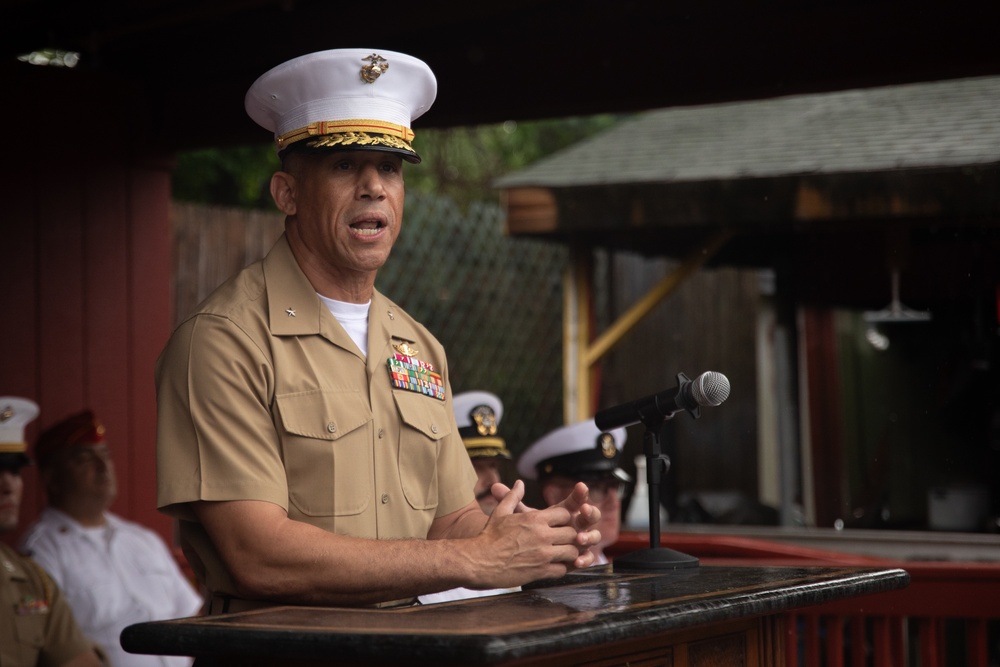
[478, 414]
[463, 404]
[15, 414]
[344, 99]
[578, 450]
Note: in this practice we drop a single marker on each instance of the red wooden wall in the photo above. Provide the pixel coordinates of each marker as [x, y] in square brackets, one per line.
[85, 273]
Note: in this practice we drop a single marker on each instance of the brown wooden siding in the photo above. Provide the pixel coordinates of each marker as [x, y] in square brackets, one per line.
[212, 243]
[86, 281]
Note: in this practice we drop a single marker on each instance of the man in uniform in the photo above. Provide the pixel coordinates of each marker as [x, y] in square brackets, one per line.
[477, 415]
[581, 453]
[306, 439]
[113, 572]
[36, 625]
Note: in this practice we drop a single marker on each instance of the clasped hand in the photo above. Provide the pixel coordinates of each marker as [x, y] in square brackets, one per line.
[546, 543]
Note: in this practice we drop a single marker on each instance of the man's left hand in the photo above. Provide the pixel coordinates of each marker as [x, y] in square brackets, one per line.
[583, 517]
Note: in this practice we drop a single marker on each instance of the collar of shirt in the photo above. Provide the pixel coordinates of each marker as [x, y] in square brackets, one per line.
[294, 308]
[65, 523]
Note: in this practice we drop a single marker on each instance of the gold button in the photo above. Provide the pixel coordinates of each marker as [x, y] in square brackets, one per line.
[331, 427]
[385, 498]
[434, 428]
[381, 433]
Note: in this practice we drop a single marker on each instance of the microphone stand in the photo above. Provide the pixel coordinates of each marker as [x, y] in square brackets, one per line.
[657, 465]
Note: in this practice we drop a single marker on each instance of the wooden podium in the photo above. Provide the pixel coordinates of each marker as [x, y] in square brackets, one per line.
[698, 617]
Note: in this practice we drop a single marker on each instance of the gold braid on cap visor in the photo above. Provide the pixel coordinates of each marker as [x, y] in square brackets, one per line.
[355, 132]
[484, 447]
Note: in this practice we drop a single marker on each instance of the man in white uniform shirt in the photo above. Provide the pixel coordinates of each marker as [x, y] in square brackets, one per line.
[113, 572]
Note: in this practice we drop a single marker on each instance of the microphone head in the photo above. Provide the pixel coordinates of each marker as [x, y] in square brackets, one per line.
[710, 388]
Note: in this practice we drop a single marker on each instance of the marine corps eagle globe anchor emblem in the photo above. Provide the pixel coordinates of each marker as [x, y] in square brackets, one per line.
[377, 68]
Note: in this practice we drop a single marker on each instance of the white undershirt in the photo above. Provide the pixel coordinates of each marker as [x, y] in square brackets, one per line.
[102, 533]
[353, 317]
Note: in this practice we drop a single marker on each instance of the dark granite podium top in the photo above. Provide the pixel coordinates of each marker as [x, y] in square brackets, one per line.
[586, 608]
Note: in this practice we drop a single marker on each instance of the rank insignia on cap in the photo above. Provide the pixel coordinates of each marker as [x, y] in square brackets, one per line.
[377, 67]
[606, 443]
[486, 420]
[414, 375]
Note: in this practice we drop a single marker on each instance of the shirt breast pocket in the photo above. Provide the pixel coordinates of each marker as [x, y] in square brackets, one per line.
[29, 630]
[425, 423]
[327, 448]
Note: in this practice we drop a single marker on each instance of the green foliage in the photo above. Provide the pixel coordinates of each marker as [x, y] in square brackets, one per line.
[238, 176]
[459, 163]
[462, 163]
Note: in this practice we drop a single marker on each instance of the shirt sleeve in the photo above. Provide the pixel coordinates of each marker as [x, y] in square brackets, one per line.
[215, 435]
[38, 545]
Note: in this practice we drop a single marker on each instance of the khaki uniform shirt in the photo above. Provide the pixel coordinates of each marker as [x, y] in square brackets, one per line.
[262, 395]
[36, 625]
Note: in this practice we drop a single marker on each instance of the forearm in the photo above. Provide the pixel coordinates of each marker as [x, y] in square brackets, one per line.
[466, 522]
[271, 557]
[312, 566]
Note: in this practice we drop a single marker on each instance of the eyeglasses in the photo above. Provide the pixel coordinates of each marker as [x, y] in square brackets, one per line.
[601, 490]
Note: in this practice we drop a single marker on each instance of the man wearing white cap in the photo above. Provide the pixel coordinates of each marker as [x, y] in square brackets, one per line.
[477, 415]
[37, 626]
[581, 453]
[306, 439]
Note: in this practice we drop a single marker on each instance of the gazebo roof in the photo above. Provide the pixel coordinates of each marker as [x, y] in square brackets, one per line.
[830, 188]
[954, 123]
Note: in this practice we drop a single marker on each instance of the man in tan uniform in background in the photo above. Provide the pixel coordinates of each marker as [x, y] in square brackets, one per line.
[36, 624]
[306, 439]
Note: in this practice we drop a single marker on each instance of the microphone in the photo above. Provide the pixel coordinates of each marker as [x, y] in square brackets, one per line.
[709, 389]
